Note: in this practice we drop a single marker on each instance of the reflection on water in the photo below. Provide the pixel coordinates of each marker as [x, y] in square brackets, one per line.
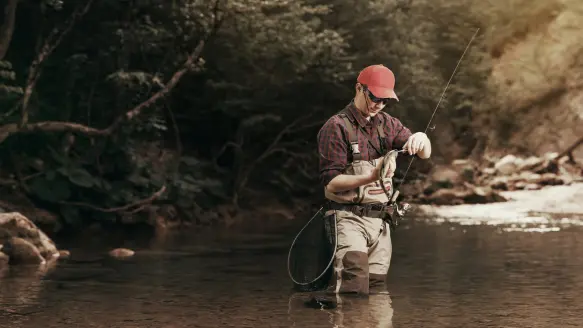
[443, 274]
[374, 311]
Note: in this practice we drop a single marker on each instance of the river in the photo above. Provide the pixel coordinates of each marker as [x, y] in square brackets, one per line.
[443, 274]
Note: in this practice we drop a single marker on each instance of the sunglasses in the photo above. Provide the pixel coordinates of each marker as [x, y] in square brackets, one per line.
[376, 99]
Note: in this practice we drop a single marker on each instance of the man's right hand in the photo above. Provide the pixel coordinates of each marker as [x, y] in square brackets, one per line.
[376, 173]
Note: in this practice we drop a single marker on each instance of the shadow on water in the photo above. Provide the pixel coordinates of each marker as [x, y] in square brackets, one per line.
[443, 274]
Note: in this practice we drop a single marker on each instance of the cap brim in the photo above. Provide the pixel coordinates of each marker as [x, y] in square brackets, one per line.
[381, 92]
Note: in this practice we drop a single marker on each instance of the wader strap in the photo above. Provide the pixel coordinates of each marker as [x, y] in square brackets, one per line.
[352, 137]
[381, 130]
[382, 140]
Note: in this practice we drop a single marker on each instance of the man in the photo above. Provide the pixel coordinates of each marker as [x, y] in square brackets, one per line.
[351, 145]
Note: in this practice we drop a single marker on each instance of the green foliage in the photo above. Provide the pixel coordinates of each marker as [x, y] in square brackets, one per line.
[270, 63]
[8, 89]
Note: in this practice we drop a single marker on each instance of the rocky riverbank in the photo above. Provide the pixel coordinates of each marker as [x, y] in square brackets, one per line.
[552, 202]
[507, 188]
[22, 242]
[488, 181]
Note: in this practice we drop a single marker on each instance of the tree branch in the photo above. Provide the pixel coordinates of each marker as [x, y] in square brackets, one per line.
[271, 149]
[7, 29]
[138, 204]
[59, 126]
[48, 47]
[569, 150]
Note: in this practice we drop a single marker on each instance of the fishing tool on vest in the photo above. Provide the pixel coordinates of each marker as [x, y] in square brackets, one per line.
[317, 238]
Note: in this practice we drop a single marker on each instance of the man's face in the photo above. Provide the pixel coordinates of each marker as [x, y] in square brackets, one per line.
[372, 104]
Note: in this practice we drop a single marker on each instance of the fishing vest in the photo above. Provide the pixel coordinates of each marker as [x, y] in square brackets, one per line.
[372, 192]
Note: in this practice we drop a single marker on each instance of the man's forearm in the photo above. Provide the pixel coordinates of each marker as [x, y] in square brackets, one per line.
[344, 182]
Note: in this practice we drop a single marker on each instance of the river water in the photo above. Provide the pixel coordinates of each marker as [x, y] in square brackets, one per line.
[443, 274]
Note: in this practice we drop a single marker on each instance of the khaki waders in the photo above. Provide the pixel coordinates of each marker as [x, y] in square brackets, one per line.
[364, 250]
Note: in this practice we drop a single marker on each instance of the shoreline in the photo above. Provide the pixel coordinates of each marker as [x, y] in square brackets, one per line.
[552, 202]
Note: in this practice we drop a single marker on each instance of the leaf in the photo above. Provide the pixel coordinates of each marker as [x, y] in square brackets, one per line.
[258, 119]
[104, 184]
[190, 161]
[53, 190]
[139, 180]
[58, 157]
[79, 176]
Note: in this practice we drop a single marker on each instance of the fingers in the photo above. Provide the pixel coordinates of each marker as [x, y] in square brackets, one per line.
[414, 144]
[407, 146]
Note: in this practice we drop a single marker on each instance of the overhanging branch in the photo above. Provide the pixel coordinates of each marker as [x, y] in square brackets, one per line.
[48, 47]
[59, 126]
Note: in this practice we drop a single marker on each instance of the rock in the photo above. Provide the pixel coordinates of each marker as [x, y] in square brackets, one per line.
[520, 185]
[489, 171]
[444, 177]
[460, 162]
[447, 197]
[551, 155]
[482, 195]
[500, 183]
[532, 186]
[463, 181]
[530, 177]
[20, 234]
[21, 251]
[550, 179]
[507, 165]
[530, 163]
[121, 253]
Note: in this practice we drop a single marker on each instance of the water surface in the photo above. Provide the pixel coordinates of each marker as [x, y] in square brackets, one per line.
[443, 274]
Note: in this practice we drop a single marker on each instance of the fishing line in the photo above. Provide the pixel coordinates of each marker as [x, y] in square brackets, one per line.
[440, 99]
[331, 258]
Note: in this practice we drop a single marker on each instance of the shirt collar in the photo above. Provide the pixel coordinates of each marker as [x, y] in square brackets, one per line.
[357, 115]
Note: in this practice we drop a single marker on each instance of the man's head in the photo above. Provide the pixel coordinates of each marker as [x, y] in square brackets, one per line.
[374, 88]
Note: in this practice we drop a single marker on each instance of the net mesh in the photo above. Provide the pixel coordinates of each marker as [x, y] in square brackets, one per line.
[310, 254]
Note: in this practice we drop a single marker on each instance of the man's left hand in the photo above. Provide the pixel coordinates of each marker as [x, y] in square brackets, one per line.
[416, 142]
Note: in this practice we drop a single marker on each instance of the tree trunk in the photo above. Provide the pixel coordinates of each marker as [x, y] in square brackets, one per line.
[7, 28]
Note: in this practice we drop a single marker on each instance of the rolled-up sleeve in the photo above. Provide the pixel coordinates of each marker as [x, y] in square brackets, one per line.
[332, 150]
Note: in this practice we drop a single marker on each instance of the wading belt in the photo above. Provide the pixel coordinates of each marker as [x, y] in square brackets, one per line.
[369, 210]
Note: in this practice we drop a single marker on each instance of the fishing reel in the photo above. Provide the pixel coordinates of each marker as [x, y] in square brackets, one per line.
[398, 211]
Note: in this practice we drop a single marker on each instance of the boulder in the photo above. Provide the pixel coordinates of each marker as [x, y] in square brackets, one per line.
[23, 242]
[464, 181]
[121, 253]
[507, 165]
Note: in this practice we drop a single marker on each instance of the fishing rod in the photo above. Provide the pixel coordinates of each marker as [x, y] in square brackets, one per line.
[438, 103]
[386, 159]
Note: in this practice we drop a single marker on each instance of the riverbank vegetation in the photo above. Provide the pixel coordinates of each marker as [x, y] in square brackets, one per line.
[195, 111]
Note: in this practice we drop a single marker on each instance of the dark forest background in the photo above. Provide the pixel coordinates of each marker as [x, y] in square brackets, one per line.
[209, 107]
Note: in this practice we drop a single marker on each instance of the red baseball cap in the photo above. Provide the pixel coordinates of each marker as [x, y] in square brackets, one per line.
[379, 80]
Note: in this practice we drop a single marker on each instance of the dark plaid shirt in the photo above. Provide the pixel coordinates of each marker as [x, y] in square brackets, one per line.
[334, 146]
